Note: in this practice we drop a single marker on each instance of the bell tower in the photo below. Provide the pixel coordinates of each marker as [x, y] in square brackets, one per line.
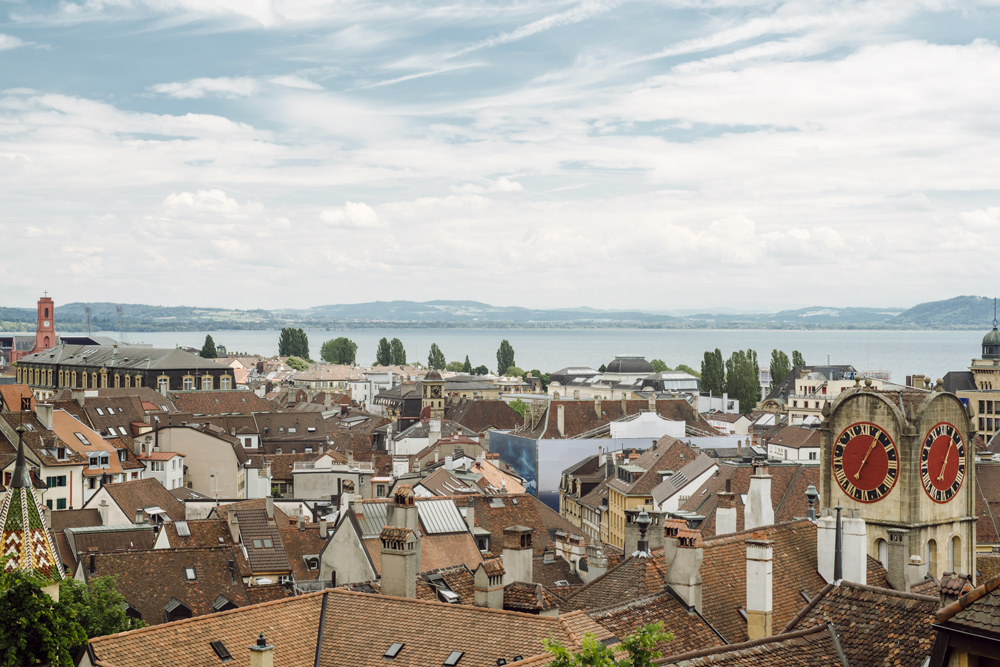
[432, 395]
[45, 331]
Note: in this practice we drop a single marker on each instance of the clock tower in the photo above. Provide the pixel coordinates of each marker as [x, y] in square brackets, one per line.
[432, 395]
[45, 331]
[904, 462]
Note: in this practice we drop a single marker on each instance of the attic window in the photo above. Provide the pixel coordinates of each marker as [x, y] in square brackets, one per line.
[121, 429]
[292, 429]
[221, 651]
[742, 612]
[268, 544]
[453, 658]
[121, 411]
[190, 574]
[257, 544]
[82, 438]
[311, 429]
[100, 412]
[562, 582]
[393, 651]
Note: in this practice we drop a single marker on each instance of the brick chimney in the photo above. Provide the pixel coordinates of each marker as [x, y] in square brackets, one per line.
[488, 584]
[262, 653]
[759, 511]
[760, 556]
[684, 573]
[517, 554]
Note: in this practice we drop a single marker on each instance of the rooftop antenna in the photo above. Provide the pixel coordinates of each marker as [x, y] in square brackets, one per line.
[122, 338]
[90, 328]
[994, 312]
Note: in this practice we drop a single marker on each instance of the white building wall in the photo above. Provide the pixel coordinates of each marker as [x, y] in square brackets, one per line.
[647, 425]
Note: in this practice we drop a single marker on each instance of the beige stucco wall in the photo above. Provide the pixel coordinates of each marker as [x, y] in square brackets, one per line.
[205, 455]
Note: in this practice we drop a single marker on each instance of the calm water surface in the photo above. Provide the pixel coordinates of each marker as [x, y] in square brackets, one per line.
[901, 353]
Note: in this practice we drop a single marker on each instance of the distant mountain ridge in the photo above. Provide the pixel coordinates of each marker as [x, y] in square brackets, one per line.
[963, 312]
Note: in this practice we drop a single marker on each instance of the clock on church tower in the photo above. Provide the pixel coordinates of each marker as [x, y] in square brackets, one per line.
[901, 460]
[45, 330]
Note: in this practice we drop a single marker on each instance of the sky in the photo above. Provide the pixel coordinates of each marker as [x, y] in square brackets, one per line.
[547, 153]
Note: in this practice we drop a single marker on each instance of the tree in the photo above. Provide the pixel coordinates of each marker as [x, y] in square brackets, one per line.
[293, 343]
[520, 407]
[34, 628]
[602, 368]
[514, 371]
[208, 349]
[743, 379]
[435, 359]
[99, 607]
[797, 359]
[780, 367]
[640, 650]
[544, 377]
[688, 369]
[455, 366]
[398, 356]
[297, 364]
[713, 373]
[659, 365]
[383, 354]
[481, 370]
[505, 357]
[467, 366]
[339, 351]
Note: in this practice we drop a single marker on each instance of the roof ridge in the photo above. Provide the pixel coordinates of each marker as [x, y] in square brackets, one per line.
[809, 607]
[963, 602]
[907, 595]
[772, 639]
[437, 603]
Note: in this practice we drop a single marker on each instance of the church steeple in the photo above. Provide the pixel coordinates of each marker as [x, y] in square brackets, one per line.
[25, 539]
[991, 341]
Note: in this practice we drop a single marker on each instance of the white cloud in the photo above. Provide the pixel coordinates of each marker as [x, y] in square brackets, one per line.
[353, 215]
[502, 184]
[8, 42]
[200, 88]
[208, 202]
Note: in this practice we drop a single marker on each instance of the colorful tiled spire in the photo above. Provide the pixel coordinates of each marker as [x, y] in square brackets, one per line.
[25, 540]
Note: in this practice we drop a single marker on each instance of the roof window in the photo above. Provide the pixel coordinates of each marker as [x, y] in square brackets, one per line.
[100, 412]
[393, 651]
[257, 544]
[221, 651]
[82, 438]
[453, 658]
[268, 544]
[190, 574]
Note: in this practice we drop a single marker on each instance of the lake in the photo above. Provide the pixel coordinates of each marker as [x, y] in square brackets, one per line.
[901, 353]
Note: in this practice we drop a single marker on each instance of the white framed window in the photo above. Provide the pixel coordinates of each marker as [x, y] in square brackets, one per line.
[206, 383]
[188, 383]
[225, 383]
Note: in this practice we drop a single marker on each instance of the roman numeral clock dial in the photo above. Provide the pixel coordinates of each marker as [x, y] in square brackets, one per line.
[942, 462]
[865, 462]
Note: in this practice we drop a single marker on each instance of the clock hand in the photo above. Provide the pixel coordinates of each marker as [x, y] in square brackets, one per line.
[944, 464]
[861, 467]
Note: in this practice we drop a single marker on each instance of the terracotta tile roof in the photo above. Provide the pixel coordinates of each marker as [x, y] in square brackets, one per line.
[494, 479]
[805, 648]
[282, 464]
[691, 632]
[634, 577]
[789, 482]
[436, 551]
[581, 416]
[527, 597]
[988, 502]
[795, 572]
[978, 609]
[987, 566]
[547, 574]
[876, 626]
[877, 574]
[268, 593]
[107, 539]
[142, 493]
[483, 415]
[795, 437]
[149, 580]
[62, 519]
[11, 395]
[219, 402]
[206, 533]
[521, 509]
[668, 454]
[256, 533]
[301, 543]
[350, 637]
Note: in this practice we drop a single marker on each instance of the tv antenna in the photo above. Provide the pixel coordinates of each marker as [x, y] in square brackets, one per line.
[90, 328]
[122, 338]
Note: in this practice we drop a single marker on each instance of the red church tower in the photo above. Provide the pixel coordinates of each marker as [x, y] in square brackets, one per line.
[45, 333]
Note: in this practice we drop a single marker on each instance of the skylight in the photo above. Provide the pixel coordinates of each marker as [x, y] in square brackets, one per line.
[257, 544]
[189, 574]
[453, 658]
[268, 543]
[82, 438]
[221, 651]
[392, 651]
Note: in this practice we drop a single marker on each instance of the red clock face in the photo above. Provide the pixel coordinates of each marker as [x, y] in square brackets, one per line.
[942, 462]
[865, 462]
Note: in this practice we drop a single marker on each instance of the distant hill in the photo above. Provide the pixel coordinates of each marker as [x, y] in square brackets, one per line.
[973, 312]
[965, 312]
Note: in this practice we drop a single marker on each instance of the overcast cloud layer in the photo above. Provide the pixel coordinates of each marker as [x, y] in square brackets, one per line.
[658, 155]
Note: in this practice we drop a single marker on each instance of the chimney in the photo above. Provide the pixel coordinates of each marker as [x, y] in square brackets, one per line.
[576, 394]
[262, 653]
[400, 561]
[470, 513]
[517, 554]
[671, 531]
[302, 520]
[269, 508]
[759, 564]
[44, 413]
[652, 401]
[102, 509]
[597, 407]
[434, 433]
[449, 463]
[93, 563]
[684, 573]
[488, 584]
[624, 406]
[759, 511]
[79, 396]
[855, 551]
[561, 420]
[725, 512]
[322, 528]
[739, 448]
[346, 496]
[826, 536]
[597, 564]
[140, 517]
[404, 509]
[234, 526]
[899, 573]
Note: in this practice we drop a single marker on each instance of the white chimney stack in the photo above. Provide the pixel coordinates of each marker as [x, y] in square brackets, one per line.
[826, 540]
[725, 512]
[434, 433]
[561, 420]
[684, 575]
[855, 551]
[517, 554]
[760, 555]
[759, 511]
